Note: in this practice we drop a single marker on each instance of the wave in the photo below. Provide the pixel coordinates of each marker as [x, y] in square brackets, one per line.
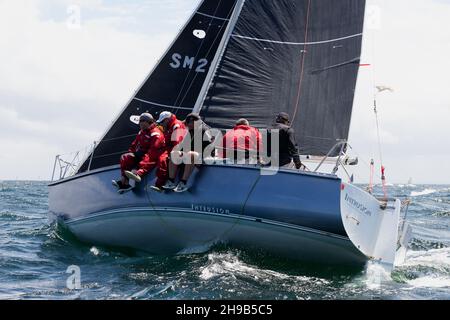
[228, 264]
[426, 244]
[429, 257]
[426, 269]
[147, 293]
[423, 192]
[430, 282]
[441, 214]
[13, 216]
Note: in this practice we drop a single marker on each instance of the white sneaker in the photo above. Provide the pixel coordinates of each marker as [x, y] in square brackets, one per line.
[157, 189]
[116, 183]
[169, 185]
[181, 187]
[131, 175]
[125, 189]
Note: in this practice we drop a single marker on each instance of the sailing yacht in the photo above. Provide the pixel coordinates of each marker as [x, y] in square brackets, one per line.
[244, 59]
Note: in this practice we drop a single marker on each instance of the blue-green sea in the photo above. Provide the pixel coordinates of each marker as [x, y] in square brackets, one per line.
[35, 256]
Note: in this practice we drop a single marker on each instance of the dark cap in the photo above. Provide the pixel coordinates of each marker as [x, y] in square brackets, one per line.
[283, 116]
[192, 117]
[146, 117]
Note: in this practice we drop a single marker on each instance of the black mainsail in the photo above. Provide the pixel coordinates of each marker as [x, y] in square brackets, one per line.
[174, 84]
[297, 56]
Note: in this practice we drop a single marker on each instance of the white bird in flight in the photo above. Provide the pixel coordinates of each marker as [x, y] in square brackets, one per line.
[384, 88]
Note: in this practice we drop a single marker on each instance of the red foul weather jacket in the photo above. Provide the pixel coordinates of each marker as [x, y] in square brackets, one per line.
[146, 151]
[156, 156]
[242, 138]
[148, 141]
[175, 132]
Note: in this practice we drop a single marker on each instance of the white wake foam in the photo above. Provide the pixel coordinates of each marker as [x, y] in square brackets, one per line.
[423, 192]
[438, 259]
[430, 282]
[229, 264]
[376, 275]
[432, 258]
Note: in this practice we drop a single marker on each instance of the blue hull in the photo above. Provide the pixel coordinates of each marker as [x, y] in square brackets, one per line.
[290, 213]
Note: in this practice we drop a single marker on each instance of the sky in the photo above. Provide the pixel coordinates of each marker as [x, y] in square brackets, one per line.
[67, 68]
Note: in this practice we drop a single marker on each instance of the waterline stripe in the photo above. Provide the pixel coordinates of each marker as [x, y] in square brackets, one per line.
[231, 216]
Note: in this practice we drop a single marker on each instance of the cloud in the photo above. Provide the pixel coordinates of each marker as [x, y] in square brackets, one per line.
[60, 87]
[47, 59]
[60, 133]
[409, 53]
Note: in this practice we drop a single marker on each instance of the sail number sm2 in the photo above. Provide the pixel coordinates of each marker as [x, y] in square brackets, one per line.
[186, 62]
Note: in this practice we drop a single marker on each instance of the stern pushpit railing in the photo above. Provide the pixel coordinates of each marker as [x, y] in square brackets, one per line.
[67, 165]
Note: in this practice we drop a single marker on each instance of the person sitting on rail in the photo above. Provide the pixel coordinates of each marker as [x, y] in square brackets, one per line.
[190, 156]
[243, 142]
[174, 132]
[145, 153]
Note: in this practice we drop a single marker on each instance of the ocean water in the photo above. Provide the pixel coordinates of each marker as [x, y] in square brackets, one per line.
[35, 256]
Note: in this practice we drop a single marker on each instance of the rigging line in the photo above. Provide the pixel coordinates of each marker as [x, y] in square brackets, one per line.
[196, 55]
[161, 105]
[378, 133]
[303, 64]
[320, 138]
[342, 64]
[221, 28]
[371, 176]
[374, 88]
[297, 43]
[210, 16]
[365, 163]
[249, 194]
[383, 176]
[118, 138]
[109, 154]
[376, 91]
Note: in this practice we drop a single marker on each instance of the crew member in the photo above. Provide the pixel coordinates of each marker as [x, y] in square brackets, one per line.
[144, 154]
[174, 132]
[288, 149]
[174, 129]
[244, 142]
[191, 157]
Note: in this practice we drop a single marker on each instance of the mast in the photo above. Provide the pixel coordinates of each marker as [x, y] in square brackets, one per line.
[223, 44]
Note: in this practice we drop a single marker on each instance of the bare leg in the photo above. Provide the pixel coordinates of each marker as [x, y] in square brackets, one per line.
[173, 168]
[188, 168]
